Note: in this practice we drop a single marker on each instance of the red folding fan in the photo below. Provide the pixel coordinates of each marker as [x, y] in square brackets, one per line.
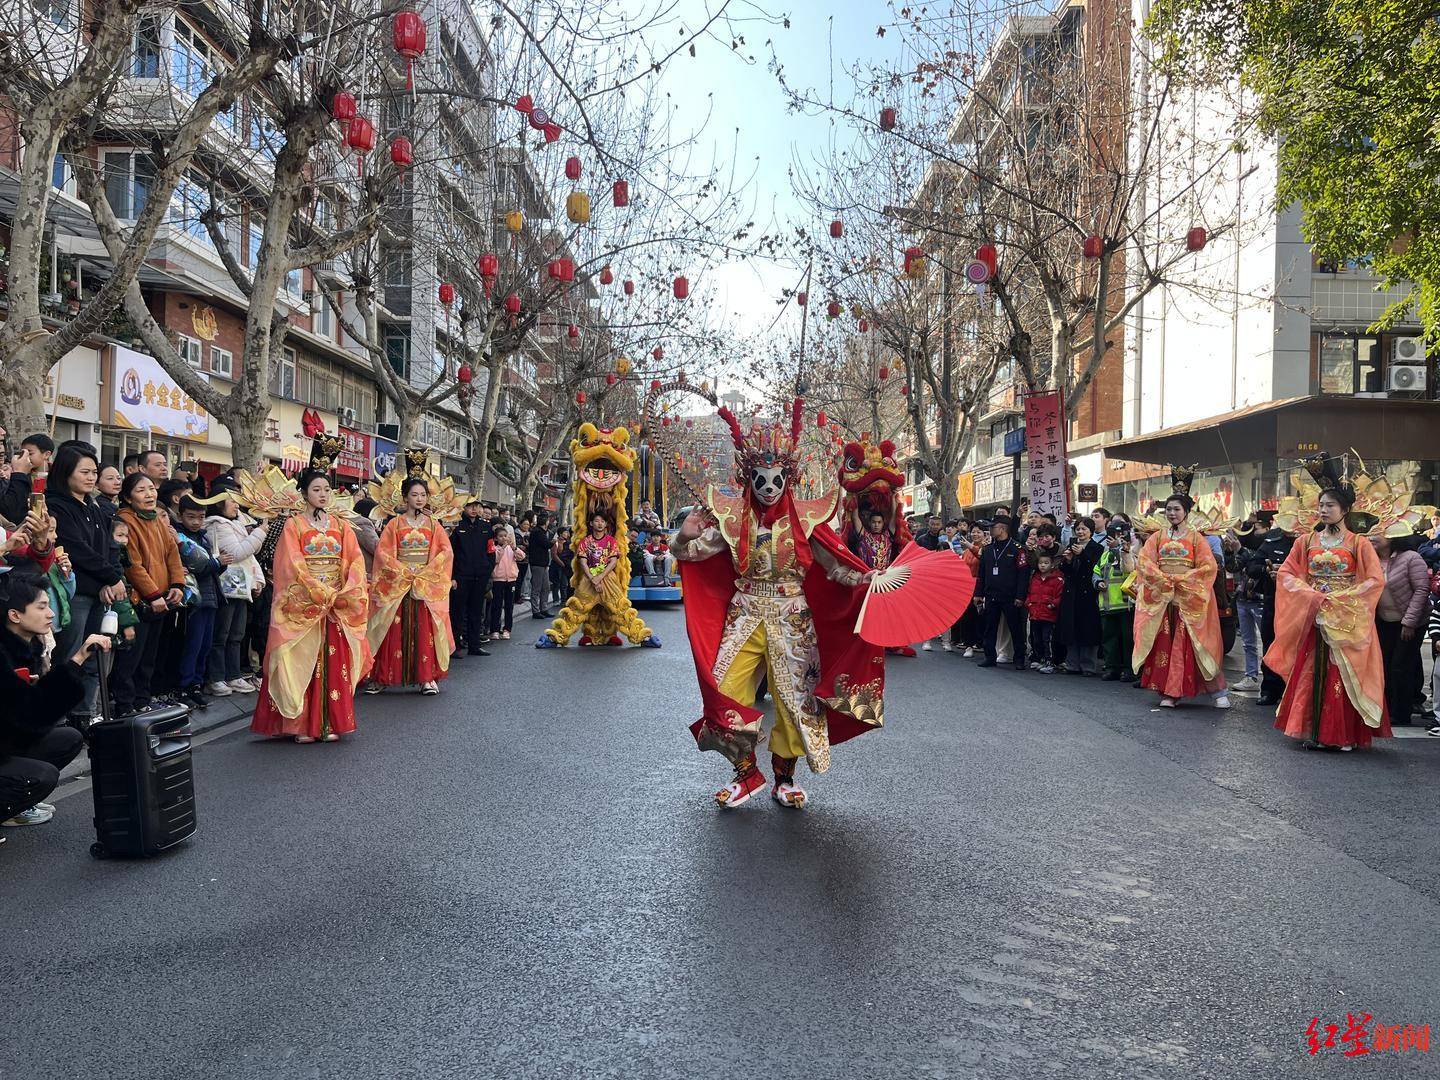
[921, 594]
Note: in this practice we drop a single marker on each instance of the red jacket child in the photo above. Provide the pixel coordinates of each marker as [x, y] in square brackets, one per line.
[1043, 601]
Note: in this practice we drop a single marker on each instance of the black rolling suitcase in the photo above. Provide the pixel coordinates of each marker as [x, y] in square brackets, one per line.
[141, 778]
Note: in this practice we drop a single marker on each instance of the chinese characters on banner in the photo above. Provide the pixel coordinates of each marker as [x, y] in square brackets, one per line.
[1045, 439]
[355, 454]
[144, 398]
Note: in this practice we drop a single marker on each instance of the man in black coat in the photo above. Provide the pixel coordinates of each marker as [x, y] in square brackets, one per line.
[1003, 585]
[1258, 567]
[537, 557]
[473, 543]
[35, 743]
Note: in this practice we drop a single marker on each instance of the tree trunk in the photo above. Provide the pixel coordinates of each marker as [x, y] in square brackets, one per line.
[485, 426]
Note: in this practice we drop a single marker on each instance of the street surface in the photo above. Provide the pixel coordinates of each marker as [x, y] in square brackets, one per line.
[1021, 876]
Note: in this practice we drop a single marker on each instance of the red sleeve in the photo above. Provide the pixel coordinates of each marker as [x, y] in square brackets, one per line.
[43, 562]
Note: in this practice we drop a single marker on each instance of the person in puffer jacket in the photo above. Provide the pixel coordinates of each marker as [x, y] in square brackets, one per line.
[200, 625]
[232, 533]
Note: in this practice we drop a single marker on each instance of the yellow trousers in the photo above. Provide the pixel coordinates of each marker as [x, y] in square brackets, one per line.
[740, 682]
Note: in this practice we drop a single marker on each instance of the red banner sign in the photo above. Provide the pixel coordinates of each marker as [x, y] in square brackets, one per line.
[1045, 440]
[355, 457]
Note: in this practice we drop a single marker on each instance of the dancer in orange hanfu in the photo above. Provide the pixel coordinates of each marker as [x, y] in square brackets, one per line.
[410, 620]
[316, 653]
[1177, 626]
[1325, 644]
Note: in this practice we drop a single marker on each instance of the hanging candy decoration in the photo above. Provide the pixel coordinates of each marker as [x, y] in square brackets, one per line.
[343, 108]
[1093, 247]
[837, 229]
[1195, 239]
[524, 103]
[572, 168]
[514, 221]
[360, 137]
[537, 118]
[552, 132]
[620, 193]
[887, 118]
[577, 207]
[401, 152]
[607, 276]
[409, 32]
[682, 288]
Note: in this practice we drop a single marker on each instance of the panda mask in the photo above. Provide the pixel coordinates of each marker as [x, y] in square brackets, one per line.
[767, 485]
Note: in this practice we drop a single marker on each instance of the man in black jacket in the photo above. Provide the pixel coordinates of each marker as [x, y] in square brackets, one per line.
[537, 557]
[1258, 569]
[1002, 588]
[472, 542]
[35, 743]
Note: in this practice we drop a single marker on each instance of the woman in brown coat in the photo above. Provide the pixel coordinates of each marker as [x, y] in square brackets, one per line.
[157, 580]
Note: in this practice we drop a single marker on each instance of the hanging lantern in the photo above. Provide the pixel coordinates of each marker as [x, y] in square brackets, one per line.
[343, 108]
[820, 418]
[577, 207]
[514, 221]
[682, 288]
[802, 298]
[986, 254]
[524, 103]
[884, 373]
[887, 118]
[611, 378]
[1195, 239]
[579, 397]
[905, 389]
[512, 303]
[572, 335]
[620, 193]
[863, 326]
[488, 266]
[1093, 247]
[409, 30]
[837, 230]
[658, 353]
[607, 276]
[552, 132]
[572, 168]
[833, 309]
[622, 365]
[447, 293]
[629, 287]
[360, 137]
[401, 152]
[914, 264]
[465, 374]
[561, 270]
[655, 385]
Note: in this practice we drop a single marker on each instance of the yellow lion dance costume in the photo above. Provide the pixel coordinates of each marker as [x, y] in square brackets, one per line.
[603, 462]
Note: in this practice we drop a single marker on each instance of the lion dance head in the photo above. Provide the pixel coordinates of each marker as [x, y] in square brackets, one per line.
[872, 481]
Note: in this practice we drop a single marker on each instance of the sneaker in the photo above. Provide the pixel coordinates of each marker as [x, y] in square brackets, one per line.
[1249, 682]
[1035, 665]
[1433, 731]
[254, 680]
[45, 806]
[969, 652]
[945, 646]
[430, 688]
[194, 698]
[927, 647]
[1222, 701]
[219, 689]
[1046, 669]
[1167, 703]
[33, 816]
[1003, 659]
[371, 687]
[241, 686]
[747, 782]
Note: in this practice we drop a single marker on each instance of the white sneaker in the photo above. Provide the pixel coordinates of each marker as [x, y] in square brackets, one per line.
[1003, 659]
[219, 689]
[1249, 682]
[241, 686]
[45, 806]
[1222, 701]
[430, 688]
[969, 652]
[33, 816]
[926, 647]
[945, 645]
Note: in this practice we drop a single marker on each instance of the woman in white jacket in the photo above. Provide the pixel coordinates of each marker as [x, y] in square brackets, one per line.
[232, 533]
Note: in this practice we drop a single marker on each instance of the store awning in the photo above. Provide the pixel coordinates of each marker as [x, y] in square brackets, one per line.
[1382, 428]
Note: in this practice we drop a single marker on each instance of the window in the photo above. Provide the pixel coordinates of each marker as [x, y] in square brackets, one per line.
[58, 12]
[195, 62]
[188, 202]
[256, 235]
[324, 214]
[362, 400]
[287, 374]
[397, 351]
[129, 179]
[222, 362]
[145, 48]
[318, 387]
[189, 350]
[295, 283]
[324, 317]
[60, 175]
[1351, 364]
[396, 272]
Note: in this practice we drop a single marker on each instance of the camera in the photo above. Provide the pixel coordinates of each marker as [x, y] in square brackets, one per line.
[1118, 529]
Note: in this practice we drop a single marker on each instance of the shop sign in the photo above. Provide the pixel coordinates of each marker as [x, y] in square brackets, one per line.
[965, 489]
[1088, 493]
[384, 453]
[354, 454]
[1015, 442]
[1045, 439]
[144, 398]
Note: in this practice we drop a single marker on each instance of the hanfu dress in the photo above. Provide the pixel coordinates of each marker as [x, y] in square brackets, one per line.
[1325, 644]
[1178, 649]
[316, 653]
[410, 619]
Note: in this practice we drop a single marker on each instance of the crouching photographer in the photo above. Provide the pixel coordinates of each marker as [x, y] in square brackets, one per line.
[35, 741]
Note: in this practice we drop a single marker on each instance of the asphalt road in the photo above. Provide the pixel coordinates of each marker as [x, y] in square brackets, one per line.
[1020, 876]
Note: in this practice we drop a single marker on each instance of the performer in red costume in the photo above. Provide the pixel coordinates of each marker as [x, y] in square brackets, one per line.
[874, 524]
[770, 590]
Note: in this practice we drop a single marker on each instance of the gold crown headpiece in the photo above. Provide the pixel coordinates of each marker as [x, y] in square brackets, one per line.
[325, 452]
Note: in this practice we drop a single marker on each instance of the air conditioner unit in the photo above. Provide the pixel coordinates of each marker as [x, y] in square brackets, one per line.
[1409, 350]
[1409, 377]
[347, 417]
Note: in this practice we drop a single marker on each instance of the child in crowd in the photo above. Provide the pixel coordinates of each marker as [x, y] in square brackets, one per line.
[1042, 603]
[200, 623]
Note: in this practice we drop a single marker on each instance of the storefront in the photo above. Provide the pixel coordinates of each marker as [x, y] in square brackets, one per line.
[71, 396]
[145, 410]
[289, 431]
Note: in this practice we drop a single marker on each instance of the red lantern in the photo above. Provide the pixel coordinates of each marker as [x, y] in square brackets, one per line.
[1094, 247]
[465, 374]
[409, 41]
[802, 298]
[524, 103]
[488, 265]
[905, 389]
[606, 275]
[552, 132]
[629, 287]
[562, 270]
[572, 168]
[401, 152]
[833, 309]
[986, 253]
[342, 107]
[579, 397]
[837, 229]
[682, 288]
[887, 119]
[360, 137]
[512, 303]
[864, 326]
[914, 264]
[658, 353]
[820, 418]
[1195, 239]
[884, 373]
[655, 385]
[447, 293]
[620, 193]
